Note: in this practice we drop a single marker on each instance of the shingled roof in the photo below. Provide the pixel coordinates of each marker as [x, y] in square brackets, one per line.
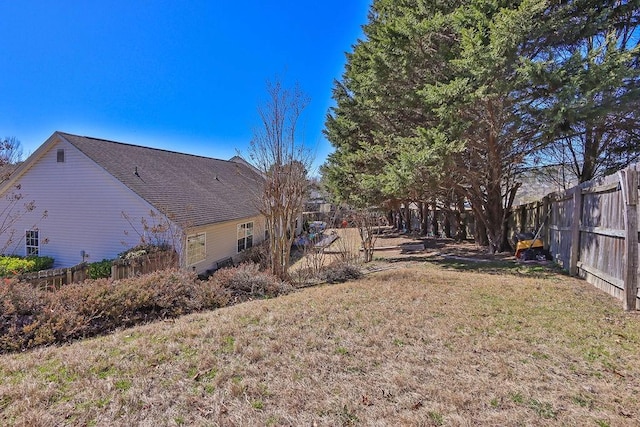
[191, 190]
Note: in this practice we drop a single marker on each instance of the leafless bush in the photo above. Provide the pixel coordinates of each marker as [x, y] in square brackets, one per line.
[347, 246]
[257, 254]
[246, 281]
[30, 317]
[340, 272]
[368, 222]
[156, 231]
[312, 262]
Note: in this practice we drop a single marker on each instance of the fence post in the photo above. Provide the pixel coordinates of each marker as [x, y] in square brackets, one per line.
[629, 186]
[575, 230]
[545, 214]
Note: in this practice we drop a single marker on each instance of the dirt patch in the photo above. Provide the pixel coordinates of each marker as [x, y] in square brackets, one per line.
[398, 246]
[391, 246]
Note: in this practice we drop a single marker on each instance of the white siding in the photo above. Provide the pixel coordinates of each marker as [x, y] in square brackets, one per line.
[222, 241]
[84, 205]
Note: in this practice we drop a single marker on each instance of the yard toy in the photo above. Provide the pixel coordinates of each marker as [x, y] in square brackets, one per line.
[529, 247]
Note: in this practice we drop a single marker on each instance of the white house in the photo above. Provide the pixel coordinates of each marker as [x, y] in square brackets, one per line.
[93, 199]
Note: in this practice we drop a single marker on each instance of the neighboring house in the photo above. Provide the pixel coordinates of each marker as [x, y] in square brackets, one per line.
[96, 196]
[539, 181]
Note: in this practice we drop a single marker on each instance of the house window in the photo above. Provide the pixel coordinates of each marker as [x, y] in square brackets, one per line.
[60, 155]
[245, 236]
[196, 245]
[32, 241]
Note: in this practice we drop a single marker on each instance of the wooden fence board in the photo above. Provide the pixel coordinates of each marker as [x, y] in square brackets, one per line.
[592, 231]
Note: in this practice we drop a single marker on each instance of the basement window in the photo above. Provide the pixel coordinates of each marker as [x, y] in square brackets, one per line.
[60, 155]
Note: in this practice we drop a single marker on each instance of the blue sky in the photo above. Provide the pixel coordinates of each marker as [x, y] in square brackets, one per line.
[179, 75]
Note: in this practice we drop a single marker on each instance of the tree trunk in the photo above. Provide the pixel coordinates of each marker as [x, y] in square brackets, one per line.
[406, 217]
[399, 223]
[505, 246]
[480, 233]
[446, 225]
[461, 224]
[434, 219]
[590, 155]
[424, 223]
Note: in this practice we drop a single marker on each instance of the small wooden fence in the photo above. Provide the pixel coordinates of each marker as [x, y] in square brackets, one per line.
[56, 277]
[120, 269]
[592, 232]
[126, 268]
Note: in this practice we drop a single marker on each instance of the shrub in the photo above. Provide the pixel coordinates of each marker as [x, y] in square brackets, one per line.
[20, 305]
[14, 265]
[41, 262]
[340, 272]
[143, 250]
[100, 269]
[246, 281]
[258, 254]
[31, 317]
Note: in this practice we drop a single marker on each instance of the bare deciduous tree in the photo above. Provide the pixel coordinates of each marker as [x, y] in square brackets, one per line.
[283, 161]
[10, 151]
[13, 206]
[12, 209]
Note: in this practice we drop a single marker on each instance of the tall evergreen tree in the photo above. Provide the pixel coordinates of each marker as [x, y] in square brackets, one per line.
[585, 86]
[453, 97]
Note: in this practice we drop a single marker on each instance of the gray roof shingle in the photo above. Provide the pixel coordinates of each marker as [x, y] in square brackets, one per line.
[191, 190]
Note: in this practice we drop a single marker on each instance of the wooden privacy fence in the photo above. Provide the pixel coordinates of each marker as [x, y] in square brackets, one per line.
[56, 277]
[120, 269]
[591, 231]
[126, 268]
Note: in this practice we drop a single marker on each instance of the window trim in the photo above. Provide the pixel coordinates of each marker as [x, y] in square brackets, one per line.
[29, 247]
[202, 247]
[247, 236]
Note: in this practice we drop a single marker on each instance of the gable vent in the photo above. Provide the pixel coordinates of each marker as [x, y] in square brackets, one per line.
[60, 155]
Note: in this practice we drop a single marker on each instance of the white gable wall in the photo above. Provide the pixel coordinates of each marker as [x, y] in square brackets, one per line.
[84, 205]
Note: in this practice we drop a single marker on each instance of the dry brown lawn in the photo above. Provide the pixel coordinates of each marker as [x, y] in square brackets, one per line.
[422, 344]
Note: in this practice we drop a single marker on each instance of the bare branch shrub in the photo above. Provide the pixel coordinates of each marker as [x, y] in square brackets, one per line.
[156, 231]
[13, 210]
[246, 281]
[368, 222]
[15, 207]
[258, 254]
[30, 317]
[340, 272]
[347, 246]
[311, 264]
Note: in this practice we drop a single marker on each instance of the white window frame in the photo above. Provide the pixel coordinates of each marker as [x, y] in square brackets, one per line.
[32, 242]
[244, 235]
[196, 248]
